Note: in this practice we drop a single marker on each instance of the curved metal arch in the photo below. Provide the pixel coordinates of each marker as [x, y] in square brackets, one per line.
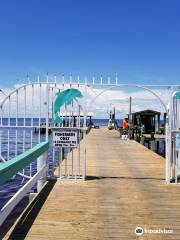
[129, 85]
[38, 83]
[23, 86]
[17, 89]
[93, 100]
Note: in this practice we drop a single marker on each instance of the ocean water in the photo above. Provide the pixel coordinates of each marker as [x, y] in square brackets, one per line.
[104, 122]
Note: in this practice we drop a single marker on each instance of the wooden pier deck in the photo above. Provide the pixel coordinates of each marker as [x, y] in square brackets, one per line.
[125, 189]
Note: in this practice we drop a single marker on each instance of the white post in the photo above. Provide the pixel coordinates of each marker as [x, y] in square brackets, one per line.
[41, 162]
[84, 138]
[169, 126]
[47, 112]
[168, 149]
[84, 158]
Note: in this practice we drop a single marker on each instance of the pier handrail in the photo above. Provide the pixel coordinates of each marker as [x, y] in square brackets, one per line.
[13, 166]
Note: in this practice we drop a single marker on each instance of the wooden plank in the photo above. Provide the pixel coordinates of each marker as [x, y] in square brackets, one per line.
[10, 168]
[125, 189]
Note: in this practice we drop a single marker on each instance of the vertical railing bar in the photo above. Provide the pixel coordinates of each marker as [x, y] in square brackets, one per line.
[32, 121]
[66, 168]
[53, 161]
[66, 120]
[60, 164]
[79, 131]
[84, 150]
[9, 123]
[47, 113]
[72, 124]
[53, 95]
[24, 135]
[32, 102]
[72, 163]
[39, 113]
[72, 115]
[62, 158]
[17, 114]
[84, 138]
[53, 150]
[52, 123]
[24, 106]
[175, 152]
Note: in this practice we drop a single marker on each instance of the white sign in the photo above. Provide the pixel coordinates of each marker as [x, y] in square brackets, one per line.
[66, 138]
[177, 141]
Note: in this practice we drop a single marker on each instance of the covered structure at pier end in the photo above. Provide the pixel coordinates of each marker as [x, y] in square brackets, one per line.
[149, 118]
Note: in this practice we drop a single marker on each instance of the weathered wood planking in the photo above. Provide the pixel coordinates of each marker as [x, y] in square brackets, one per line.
[126, 189]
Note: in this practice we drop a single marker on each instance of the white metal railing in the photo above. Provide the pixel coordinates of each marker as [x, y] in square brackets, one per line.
[173, 139]
[8, 169]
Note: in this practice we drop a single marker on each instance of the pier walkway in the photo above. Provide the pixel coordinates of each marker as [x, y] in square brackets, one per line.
[125, 189]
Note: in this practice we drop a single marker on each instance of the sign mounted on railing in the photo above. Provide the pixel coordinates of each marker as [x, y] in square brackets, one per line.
[66, 138]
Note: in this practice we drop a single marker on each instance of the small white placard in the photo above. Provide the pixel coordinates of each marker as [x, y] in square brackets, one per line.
[66, 138]
[177, 141]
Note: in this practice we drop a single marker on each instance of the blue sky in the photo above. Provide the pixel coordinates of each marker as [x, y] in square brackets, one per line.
[140, 40]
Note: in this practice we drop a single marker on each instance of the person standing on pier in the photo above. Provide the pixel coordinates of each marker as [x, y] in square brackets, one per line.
[125, 124]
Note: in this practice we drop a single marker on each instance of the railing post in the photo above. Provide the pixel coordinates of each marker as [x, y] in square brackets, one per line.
[142, 140]
[41, 162]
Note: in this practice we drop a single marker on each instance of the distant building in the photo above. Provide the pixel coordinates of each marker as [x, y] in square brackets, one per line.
[149, 118]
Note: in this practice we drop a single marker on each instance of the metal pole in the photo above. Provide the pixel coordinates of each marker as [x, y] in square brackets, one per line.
[130, 110]
[60, 162]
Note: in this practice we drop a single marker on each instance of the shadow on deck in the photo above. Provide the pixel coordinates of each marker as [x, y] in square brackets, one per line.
[26, 221]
